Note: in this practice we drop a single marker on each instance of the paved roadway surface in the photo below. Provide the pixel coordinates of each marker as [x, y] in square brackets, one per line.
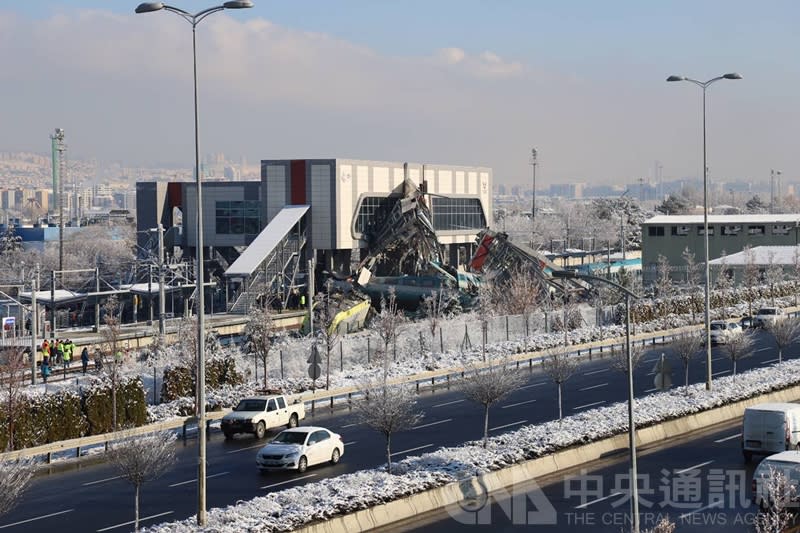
[702, 483]
[89, 497]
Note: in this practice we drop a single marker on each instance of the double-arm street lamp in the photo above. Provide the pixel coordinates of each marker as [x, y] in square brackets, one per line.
[704, 85]
[194, 20]
[634, 485]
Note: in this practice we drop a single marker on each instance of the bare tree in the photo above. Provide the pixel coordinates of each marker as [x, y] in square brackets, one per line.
[486, 310]
[111, 334]
[520, 294]
[773, 276]
[388, 409]
[665, 525]
[328, 329]
[142, 459]
[490, 386]
[559, 367]
[686, 347]
[260, 330]
[619, 359]
[692, 279]
[779, 496]
[15, 476]
[387, 323]
[434, 307]
[724, 281]
[13, 372]
[738, 346]
[664, 286]
[784, 332]
[750, 276]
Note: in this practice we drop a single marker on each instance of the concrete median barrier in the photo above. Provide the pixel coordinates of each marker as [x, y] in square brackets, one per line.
[453, 493]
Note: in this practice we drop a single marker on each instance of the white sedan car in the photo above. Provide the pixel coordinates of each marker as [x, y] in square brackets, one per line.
[300, 447]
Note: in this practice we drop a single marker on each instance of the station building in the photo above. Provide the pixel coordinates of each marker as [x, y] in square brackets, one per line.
[312, 208]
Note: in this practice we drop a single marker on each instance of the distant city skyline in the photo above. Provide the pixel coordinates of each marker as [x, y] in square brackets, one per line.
[465, 82]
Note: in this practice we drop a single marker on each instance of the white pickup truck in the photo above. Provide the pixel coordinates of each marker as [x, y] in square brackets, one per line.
[257, 414]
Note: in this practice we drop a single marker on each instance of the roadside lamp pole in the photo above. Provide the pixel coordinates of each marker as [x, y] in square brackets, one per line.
[704, 85]
[631, 424]
[194, 20]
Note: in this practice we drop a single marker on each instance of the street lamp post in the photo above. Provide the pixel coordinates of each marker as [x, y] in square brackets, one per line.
[194, 20]
[704, 85]
[534, 162]
[631, 425]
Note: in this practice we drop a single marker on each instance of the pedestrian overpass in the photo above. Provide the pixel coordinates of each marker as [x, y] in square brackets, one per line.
[269, 267]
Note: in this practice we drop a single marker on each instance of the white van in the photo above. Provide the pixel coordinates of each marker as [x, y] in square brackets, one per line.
[788, 464]
[769, 428]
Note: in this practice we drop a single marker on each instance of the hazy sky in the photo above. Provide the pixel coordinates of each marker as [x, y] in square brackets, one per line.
[472, 82]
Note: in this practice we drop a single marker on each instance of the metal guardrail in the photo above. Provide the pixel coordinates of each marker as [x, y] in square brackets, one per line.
[422, 379]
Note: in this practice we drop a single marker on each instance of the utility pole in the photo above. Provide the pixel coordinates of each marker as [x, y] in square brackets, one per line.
[97, 297]
[162, 314]
[34, 322]
[534, 161]
[310, 279]
[52, 304]
[771, 191]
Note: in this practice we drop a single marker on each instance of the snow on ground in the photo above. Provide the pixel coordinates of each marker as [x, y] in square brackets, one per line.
[349, 363]
[290, 508]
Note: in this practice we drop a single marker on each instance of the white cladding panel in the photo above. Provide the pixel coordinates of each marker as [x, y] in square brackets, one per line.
[380, 180]
[321, 231]
[345, 207]
[362, 178]
[276, 190]
[460, 182]
[397, 177]
[445, 181]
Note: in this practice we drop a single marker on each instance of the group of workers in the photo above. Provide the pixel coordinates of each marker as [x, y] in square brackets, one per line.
[60, 352]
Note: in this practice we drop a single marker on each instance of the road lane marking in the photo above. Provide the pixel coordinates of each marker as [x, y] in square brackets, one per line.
[728, 438]
[288, 481]
[588, 405]
[516, 404]
[100, 481]
[412, 449]
[651, 390]
[532, 385]
[718, 359]
[594, 387]
[442, 404]
[142, 519]
[37, 518]
[587, 504]
[720, 372]
[245, 449]
[350, 443]
[433, 423]
[768, 361]
[353, 424]
[762, 349]
[596, 371]
[195, 480]
[695, 467]
[508, 425]
[709, 506]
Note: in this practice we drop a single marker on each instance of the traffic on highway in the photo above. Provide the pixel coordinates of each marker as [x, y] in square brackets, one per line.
[86, 496]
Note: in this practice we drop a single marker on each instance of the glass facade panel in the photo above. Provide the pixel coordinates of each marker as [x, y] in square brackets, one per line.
[372, 210]
[238, 217]
[457, 214]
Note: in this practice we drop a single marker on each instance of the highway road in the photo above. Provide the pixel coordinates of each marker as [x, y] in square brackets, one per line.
[700, 482]
[90, 497]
